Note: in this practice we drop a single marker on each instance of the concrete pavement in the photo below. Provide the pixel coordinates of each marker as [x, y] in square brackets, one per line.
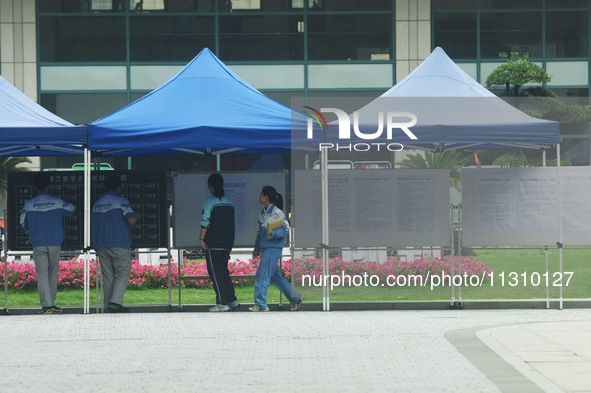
[338, 351]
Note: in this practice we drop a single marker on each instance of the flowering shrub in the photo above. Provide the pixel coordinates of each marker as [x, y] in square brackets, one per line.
[71, 272]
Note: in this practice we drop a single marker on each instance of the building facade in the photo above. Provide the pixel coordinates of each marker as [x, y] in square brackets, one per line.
[84, 59]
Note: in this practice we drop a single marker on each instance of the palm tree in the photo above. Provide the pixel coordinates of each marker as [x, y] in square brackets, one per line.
[440, 160]
[8, 165]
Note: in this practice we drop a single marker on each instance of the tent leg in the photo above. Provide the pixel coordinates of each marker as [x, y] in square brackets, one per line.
[325, 230]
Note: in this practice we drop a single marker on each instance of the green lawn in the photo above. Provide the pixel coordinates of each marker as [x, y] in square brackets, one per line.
[518, 266]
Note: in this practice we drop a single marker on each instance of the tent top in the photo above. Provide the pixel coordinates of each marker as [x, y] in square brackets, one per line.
[453, 111]
[438, 76]
[28, 129]
[204, 108]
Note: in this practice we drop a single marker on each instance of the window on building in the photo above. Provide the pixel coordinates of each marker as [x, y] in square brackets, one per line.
[511, 34]
[169, 39]
[567, 34]
[107, 5]
[509, 4]
[456, 5]
[147, 5]
[349, 37]
[567, 3]
[349, 5]
[456, 34]
[75, 39]
[189, 5]
[83, 108]
[260, 38]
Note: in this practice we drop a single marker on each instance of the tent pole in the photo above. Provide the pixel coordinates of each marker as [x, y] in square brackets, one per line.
[325, 239]
[218, 162]
[5, 261]
[546, 246]
[452, 234]
[86, 230]
[559, 223]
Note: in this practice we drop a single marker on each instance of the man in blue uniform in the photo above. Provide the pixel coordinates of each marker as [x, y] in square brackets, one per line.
[43, 216]
[112, 216]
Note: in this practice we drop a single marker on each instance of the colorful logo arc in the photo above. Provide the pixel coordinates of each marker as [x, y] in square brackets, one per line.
[317, 116]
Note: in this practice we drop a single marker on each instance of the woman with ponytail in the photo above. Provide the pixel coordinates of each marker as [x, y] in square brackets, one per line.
[273, 228]
[217, 239]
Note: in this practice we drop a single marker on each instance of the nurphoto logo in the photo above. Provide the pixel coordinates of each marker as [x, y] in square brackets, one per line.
[391, 120]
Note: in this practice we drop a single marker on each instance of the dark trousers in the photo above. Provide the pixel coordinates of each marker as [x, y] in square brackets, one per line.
[217, 268]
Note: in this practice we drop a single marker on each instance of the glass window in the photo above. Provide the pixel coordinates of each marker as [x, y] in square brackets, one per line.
[567, 3]
[239, 5]
[164, 38]
[349, 5]
[567, 34]
[83, 108]
[456, 34]
[511, 35]
[509, 4]
[443, 5]
[261, 38]
[277, 5]
[350, 37]
[146, 5]
[189, 5]
[63, 6]
[107, 5]
[119, 5]
[76, 39]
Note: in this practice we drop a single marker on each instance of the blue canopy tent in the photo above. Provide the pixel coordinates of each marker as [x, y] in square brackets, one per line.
[452, 111]
[204, 108]
[28, 129]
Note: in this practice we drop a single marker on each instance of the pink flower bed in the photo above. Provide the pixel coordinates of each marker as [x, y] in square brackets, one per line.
[71, 272]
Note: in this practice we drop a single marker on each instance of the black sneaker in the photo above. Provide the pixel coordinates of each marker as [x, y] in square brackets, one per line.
[234, 305]
[46, 310]
[56, 310]
[117, 308]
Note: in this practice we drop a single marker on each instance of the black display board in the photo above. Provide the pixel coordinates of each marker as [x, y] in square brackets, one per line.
[146, 191]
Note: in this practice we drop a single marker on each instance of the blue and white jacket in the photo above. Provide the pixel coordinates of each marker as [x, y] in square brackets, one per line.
[109, 226]
[277, 235]
[218, 217]
[43, 216]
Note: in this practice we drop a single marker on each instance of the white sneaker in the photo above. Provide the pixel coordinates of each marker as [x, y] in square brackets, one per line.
[219, 308]
[234, 305]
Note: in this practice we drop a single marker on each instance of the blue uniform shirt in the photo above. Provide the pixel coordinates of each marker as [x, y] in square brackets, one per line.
[43, 216]
[109, 226]
[277, 235]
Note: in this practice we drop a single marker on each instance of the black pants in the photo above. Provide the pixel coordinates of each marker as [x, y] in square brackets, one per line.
[217, 268]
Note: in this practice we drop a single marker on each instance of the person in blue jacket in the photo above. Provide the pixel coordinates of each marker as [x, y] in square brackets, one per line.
[217, 239]
[42, 216]
[112, 216]
[271, 241]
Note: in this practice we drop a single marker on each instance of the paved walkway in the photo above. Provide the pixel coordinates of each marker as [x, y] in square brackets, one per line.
[339, 351]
